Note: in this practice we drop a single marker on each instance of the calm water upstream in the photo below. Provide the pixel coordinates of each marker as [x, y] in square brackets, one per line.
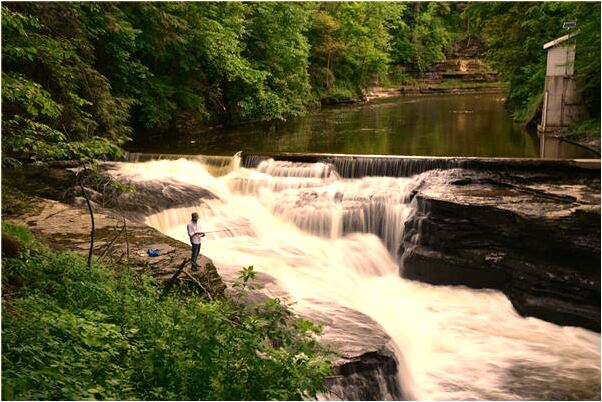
[450, 125]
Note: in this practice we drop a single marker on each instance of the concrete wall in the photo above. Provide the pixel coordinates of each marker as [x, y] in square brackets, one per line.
[561, 60]
[562, 103]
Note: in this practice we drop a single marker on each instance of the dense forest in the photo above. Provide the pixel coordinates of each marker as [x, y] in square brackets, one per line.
[81, 79]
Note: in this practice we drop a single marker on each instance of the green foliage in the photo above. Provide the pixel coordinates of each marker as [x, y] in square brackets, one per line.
[587, 57]
[422, 39]
[514, 34]
[20, 233]
[247, 274]
[33, 98]
[276, 43]
[71, 332]
[588, 128]
[52, 94]
[350, 46]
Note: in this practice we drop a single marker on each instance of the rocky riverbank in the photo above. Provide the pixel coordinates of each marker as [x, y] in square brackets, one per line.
[365, 367]
[534, 236]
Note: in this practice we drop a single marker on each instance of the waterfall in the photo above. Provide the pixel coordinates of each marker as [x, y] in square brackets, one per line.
[358, 166]
[217, 165]
[330, 242]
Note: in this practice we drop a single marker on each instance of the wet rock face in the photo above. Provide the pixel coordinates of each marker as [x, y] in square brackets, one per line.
[59, 182]
[538, 241]
[366, 367]
[369, 377]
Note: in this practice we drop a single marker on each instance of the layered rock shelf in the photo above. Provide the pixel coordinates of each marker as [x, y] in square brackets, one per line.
[535, 237]
[366, 367]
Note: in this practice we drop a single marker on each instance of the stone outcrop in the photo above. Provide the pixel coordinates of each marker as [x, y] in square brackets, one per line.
[537, 239]
[67, 227]
[60, 183]
[366, 367]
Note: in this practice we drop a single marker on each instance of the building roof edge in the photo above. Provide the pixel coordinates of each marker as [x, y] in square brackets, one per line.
[560, 40]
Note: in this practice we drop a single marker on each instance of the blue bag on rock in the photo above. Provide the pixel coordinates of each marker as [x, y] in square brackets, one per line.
[153, 252]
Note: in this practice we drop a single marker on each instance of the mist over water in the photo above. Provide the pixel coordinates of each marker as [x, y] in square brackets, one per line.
[332, 242]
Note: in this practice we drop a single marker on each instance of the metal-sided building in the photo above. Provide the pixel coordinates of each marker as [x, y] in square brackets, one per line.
[562, 104]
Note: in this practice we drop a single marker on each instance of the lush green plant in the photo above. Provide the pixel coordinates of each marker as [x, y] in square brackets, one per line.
[587, 57]
[587, 128]
[350, 46]
[73, 332]
[422, 39]
[19, 232]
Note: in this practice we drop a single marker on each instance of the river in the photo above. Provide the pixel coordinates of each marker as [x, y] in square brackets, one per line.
[442, 125]
[330, 242]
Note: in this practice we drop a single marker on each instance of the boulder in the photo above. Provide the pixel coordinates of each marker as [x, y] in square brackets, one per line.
[366, 367]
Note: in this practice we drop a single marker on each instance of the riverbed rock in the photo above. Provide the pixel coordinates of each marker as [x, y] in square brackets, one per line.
[67, 227]
[142, 198]
[535, 239]
[366, 367]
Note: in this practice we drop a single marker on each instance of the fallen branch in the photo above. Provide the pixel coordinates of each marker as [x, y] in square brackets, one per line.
[110, 244]
[199, 285]
[173, 278]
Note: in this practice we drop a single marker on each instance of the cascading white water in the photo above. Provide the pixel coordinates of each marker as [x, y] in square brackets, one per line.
[331, 242]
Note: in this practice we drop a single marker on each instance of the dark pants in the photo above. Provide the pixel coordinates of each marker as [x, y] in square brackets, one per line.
[196, 249]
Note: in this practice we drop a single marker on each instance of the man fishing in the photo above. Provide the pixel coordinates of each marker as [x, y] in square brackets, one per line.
[195, 234]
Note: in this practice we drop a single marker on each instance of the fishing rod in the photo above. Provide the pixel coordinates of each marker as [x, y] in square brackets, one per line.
[226, 230]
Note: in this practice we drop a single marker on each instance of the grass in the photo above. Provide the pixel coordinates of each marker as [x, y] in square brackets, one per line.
[589, 128]
[20, 233]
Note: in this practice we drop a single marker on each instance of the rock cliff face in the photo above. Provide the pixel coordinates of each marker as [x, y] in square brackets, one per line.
[537, 239]
[366, 368]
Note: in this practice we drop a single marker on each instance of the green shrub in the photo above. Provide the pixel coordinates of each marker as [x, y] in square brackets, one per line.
[589, 128]
[71, 332]
[19, 232]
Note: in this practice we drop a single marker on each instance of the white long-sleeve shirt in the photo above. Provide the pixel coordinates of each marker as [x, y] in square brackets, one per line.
[194, 227]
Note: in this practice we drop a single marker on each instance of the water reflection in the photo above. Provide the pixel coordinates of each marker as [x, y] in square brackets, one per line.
[454, 125]
[554, 148]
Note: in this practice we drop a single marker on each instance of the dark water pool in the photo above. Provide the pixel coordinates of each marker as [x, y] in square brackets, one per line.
[450, 125]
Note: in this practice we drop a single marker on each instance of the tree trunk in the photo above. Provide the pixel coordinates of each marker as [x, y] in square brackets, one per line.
[92, 220]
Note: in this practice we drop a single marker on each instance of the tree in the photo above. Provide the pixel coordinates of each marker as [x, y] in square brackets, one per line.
[587, 57]
[55, 103]
[422, 39]
[350, 46]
